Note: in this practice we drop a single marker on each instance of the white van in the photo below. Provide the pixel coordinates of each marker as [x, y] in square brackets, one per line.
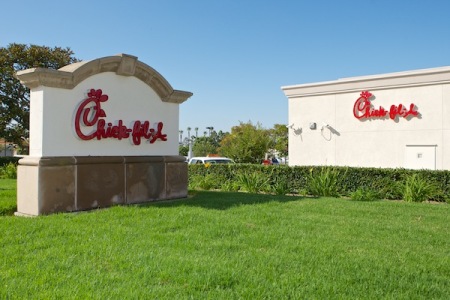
[210, 160]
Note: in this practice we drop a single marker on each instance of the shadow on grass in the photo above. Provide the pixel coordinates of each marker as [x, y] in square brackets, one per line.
[7, 211]
[206, 199]
[223, 200]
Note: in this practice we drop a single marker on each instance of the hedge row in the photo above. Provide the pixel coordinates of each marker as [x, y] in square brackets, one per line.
[4, 160]
[384, 181]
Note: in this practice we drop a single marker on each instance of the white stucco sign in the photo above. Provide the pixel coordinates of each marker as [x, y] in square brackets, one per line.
[123, 107]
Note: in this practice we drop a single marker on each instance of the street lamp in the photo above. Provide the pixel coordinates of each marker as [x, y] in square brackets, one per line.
[181, 136]
[210, 129]
[189, 132]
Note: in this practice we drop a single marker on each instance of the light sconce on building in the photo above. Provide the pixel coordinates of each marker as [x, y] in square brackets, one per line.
[327, 134]
[297, 131]
[325, 125]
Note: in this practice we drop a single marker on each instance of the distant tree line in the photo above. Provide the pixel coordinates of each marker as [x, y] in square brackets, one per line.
[247, 143]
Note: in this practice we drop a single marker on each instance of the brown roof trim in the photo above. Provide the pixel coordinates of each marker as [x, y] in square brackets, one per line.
[70, 76]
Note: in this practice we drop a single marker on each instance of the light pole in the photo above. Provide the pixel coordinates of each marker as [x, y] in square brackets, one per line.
[190, 153]
[189, 132]
[210, 128]
[189, 140]
[181, 136]
[196, 131]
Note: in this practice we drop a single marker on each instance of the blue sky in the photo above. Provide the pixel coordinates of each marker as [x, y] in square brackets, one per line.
[235, 55]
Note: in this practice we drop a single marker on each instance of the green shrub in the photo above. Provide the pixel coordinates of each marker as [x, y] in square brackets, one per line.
[9, 171]
[364, 194]
[206, 182]
[387, 188]
[280, 187]
[323, 183]
[229, 186]
[417, 189]
[252, 182]
[4, 160]
[302, 192]
[341, 181]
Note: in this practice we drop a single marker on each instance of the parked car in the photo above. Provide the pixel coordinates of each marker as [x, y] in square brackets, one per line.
[210, 160]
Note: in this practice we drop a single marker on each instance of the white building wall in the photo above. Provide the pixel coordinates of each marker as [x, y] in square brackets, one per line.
[309, 147]
[444, 154]
[349, 141]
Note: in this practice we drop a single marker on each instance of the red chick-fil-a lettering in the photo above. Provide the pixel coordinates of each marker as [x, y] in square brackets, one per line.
[363, 109]
[91, 115]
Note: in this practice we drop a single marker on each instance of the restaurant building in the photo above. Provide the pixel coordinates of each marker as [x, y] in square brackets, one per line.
[395, 120]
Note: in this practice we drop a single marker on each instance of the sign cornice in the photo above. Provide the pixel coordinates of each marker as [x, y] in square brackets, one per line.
[70, 76]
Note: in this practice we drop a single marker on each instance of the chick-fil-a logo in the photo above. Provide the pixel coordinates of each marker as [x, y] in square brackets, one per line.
[91, 114]
[363, 109]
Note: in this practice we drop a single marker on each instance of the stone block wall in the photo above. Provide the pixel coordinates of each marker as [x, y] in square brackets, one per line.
[65, 184]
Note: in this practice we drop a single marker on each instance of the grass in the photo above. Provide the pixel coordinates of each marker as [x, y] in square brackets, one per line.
[218, 245]
[7, 196]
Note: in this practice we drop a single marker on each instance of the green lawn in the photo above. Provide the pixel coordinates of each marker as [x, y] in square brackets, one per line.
[7, 196]
[218, 245]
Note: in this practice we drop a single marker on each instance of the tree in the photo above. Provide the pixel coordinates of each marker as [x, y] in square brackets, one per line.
[247, 143]
[14, 97]
[205, 145]
[183, 150]
[279, 134]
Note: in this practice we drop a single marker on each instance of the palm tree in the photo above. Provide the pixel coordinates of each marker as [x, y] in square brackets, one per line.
[196, 131]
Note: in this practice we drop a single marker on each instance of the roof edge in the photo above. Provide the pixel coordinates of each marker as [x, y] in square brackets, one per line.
[381, 81]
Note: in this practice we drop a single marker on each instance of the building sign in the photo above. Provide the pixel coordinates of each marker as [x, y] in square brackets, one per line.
[90, 116]
[363, 109]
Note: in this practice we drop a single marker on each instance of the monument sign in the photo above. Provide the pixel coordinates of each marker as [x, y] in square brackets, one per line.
[102, 132]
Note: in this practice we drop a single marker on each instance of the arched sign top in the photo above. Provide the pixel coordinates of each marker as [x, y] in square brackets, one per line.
[71, 75]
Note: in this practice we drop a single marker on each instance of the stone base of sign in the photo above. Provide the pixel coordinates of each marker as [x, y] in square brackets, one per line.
[47, 185]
